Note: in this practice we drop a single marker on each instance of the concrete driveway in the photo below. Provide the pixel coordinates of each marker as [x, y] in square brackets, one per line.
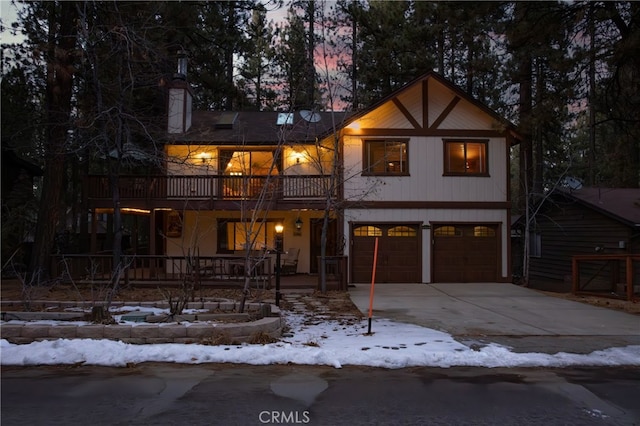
[521, 318]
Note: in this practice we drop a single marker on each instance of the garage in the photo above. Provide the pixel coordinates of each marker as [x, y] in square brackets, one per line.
[399, 252]
[465, 253]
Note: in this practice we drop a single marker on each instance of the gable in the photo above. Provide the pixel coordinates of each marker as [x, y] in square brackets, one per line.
[448, 110]
[429, 105]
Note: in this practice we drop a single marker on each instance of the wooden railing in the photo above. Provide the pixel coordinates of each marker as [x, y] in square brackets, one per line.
[162, 269]
[212, 187]
[609, 275]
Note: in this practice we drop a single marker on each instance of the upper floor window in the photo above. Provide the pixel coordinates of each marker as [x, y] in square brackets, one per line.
[249, 163]
[385, 157]
[466, 158]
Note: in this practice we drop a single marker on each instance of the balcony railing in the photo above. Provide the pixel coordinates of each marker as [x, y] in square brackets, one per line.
[196, 187]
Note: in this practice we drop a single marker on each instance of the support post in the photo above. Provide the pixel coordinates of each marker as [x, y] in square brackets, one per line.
[279, 231]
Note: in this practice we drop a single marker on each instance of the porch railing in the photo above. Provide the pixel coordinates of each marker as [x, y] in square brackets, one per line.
[162, 269]
[212, 187]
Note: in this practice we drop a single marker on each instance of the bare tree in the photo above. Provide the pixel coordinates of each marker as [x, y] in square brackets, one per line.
[117, 122]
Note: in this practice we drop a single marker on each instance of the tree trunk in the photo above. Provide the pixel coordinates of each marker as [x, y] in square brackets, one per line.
[59, 88]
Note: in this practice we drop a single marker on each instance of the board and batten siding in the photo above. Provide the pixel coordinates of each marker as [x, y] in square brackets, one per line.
[425, 181]
[426, 114]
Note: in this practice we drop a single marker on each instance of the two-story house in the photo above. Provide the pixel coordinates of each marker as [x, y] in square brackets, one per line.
[426, 170]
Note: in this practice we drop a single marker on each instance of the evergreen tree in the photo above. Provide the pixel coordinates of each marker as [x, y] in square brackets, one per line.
[259, 60]
[295, 59]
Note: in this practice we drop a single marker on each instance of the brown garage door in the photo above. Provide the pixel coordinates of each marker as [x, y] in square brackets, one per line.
[465, 253]
[399, 253]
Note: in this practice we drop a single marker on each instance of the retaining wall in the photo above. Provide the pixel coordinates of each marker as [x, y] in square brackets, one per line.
[198, 328]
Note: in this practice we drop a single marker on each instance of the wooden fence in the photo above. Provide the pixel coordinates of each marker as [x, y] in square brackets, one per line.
[610, 275]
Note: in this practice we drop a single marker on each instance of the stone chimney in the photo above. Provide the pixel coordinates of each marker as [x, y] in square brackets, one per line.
[180, 98]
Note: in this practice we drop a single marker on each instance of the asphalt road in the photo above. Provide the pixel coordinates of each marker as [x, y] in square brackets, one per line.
[214, 394]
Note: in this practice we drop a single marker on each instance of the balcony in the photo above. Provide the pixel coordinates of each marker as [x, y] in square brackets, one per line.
[211, 187]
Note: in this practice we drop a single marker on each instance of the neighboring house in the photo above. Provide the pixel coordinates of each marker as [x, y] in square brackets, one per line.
[426, 170]
[585, 221]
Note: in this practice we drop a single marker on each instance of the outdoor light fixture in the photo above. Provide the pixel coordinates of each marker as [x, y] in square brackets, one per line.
[279, 228]
[298, 224]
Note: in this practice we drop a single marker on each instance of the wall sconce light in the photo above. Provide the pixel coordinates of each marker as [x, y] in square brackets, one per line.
[297, 157]
[204, 157]
[298, 224]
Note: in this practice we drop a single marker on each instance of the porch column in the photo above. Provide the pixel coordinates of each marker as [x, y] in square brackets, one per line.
[152, 232]
[94, 231]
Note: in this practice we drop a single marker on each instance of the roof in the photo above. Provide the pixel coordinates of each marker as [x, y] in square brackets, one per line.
[622, 204]
[261, 128]
[258, 127]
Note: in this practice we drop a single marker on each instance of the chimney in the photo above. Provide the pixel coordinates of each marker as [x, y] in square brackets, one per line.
[180, 98]
[182, 65]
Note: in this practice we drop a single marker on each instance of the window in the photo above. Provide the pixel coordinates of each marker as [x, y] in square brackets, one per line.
[402, 231]
[535, 244]
[464, 158]
[235, 234]
[367, 231]
[447, 231]
[248, 173]
[382, 157]
[483, 231]
[249, 163]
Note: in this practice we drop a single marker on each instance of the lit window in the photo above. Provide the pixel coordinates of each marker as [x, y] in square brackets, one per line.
[483, 231]
[367, 231]
[447, 231]
[465, 158]
[385, 158]
[402, 231]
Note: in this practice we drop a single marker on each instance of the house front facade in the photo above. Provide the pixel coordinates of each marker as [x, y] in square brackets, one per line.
[425, 171]
[427, 174]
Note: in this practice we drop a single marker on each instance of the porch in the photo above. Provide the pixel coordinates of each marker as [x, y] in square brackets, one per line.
[171, 271]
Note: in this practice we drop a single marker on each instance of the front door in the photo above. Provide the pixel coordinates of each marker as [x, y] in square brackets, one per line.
[316, 241]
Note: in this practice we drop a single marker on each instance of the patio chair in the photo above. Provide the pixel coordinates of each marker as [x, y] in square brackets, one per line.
[289, 262]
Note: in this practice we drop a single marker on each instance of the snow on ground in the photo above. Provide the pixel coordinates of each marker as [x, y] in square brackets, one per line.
[326, 342]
